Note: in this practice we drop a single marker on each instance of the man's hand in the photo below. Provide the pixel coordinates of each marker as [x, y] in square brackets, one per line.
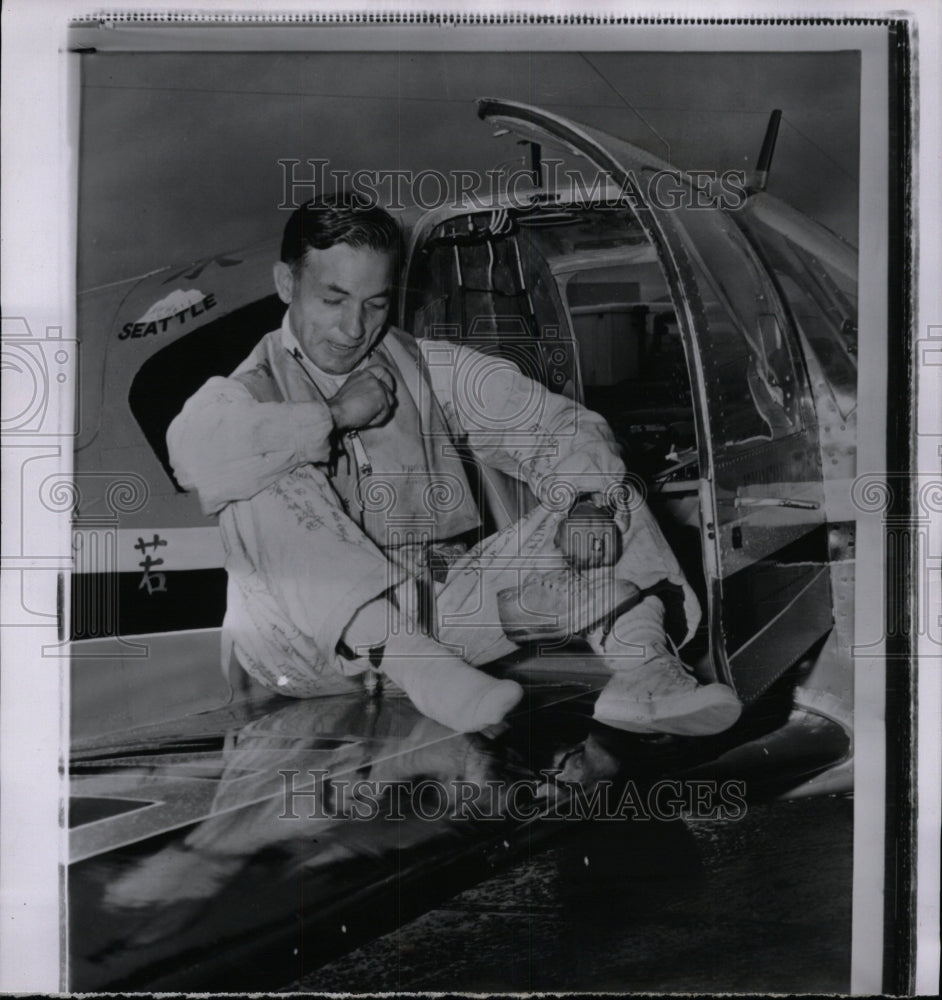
[589, 537]
[366, 399]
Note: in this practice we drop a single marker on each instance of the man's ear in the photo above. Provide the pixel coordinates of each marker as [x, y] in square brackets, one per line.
[284, 281]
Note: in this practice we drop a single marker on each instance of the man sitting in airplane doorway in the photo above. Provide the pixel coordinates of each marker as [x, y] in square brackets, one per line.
[327, 456]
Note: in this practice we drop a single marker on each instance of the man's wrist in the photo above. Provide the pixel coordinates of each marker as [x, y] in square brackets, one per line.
[335, 409]
[594, 500]
[313, 430]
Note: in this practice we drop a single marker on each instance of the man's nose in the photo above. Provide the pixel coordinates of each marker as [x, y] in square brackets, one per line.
[352, 324]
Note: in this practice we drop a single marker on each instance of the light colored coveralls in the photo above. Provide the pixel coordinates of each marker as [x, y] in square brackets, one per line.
[311, 535]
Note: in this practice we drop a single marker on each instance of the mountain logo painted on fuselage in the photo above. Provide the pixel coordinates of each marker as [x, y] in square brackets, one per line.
[174, 310]
[191, 273]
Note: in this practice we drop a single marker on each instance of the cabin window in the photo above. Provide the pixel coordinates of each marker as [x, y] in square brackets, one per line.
[633, 364]
[751, 376]
[603, 332]
[479, 280]
[824, 306]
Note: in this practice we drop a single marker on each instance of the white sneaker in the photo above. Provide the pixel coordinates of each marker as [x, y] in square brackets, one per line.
[659, 695]
[655, 692]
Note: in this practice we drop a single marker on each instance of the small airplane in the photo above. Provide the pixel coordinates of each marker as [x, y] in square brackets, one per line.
[711, 324]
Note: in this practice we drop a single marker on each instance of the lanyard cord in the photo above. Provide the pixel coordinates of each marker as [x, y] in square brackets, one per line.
[363, 464]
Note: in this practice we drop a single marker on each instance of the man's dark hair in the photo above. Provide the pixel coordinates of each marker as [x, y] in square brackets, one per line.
[344, 217]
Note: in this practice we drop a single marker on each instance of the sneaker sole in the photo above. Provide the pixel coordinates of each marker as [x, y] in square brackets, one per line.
[703, 720]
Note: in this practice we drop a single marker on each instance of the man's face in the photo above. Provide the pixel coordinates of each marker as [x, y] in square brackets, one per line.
[338, 303]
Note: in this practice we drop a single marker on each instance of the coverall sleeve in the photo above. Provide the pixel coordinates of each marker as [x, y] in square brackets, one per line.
[515, 424]
[229, 446]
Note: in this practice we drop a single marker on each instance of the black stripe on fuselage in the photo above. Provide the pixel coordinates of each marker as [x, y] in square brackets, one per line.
[107, 604]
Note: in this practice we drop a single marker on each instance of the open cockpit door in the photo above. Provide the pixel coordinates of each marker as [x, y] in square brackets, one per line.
[762, 513]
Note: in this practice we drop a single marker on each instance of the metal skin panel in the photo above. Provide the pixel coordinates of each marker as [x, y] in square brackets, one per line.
[816, 276]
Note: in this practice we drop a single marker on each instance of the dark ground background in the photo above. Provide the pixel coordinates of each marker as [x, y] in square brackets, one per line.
[759, 905]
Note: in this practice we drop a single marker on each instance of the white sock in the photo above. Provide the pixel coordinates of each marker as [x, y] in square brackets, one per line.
[439, 684]
[636, 635]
